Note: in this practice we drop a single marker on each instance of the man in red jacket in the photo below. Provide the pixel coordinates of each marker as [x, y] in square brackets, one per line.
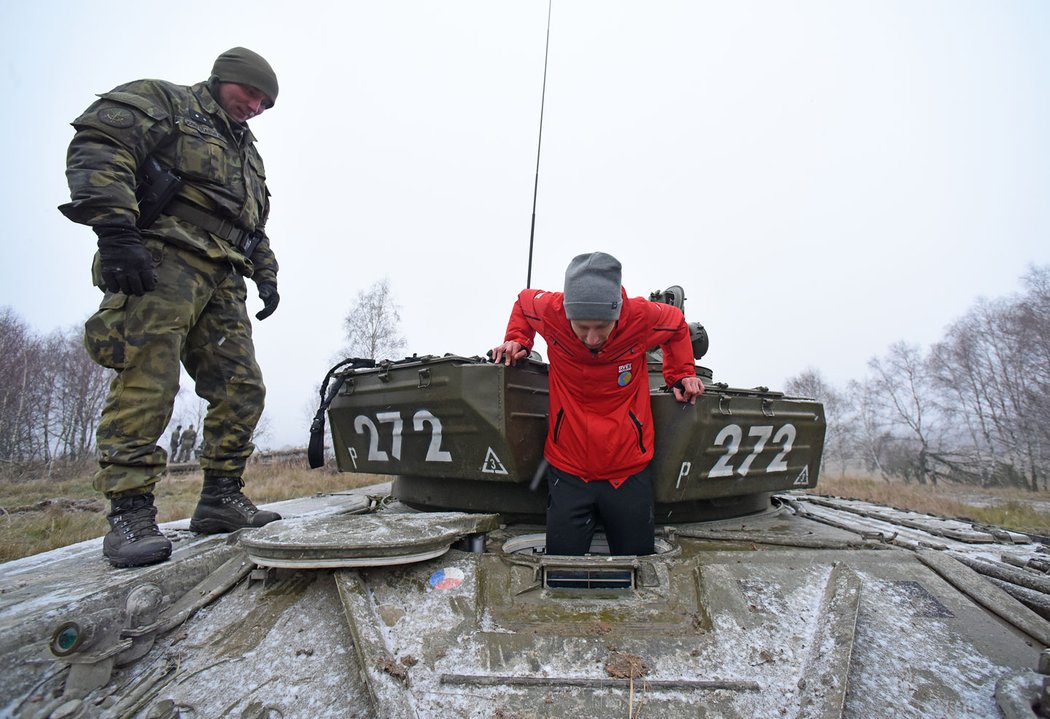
[600, 434]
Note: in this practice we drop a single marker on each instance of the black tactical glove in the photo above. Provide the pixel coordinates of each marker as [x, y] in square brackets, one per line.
[127, 266]
[268, 294]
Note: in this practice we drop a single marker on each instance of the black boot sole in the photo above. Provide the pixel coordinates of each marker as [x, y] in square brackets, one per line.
[210, 525]
[215, 526]
[155, 558]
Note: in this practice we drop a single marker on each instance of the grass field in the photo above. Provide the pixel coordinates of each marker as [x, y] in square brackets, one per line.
[41, 514]
[1015, 509]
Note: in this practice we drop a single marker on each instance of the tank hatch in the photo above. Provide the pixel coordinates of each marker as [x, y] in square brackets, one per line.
[361, 540]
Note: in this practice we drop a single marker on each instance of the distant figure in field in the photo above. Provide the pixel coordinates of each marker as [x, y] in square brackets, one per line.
[189, 438]
[176, 438]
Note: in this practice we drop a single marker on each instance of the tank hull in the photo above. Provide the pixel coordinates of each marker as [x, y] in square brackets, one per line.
[803, 610]
[760, 601]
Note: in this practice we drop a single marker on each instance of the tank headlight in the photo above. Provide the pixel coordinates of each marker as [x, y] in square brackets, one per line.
[66, 639]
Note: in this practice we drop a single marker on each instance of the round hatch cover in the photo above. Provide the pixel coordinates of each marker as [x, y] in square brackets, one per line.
[361, 540]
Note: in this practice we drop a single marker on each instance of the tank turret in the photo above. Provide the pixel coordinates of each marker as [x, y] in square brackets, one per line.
[461, 433]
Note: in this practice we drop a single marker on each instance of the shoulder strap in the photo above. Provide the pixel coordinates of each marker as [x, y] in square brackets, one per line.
[315, 450]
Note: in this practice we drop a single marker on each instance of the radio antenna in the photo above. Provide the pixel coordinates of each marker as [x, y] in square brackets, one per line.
[539, 144]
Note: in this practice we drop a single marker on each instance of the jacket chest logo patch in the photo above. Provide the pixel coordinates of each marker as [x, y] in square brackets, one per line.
[624, 375]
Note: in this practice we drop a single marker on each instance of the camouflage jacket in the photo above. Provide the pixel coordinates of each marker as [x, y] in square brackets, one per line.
[186, 130]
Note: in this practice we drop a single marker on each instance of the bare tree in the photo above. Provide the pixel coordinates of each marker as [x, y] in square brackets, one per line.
[1033, 317]
[51, 394]
[82, 386]
[870, 427]
[838, 437]
[906, 398]
[372, 324]
[47, 405]
[16, 349]
[974, 370]
[961, 370]
[991, 372]
[262, 435]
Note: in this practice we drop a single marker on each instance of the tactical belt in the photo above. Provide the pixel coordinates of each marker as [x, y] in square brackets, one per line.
[225, 229]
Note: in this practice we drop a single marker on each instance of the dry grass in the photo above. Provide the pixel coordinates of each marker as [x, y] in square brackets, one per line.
[1015, 509]
[37, 515]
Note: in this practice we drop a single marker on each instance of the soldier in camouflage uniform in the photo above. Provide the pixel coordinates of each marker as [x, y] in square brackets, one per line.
[175, 289]
[176, 437]
[188, 439]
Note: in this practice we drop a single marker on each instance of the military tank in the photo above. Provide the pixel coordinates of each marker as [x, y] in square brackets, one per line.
[432, 594]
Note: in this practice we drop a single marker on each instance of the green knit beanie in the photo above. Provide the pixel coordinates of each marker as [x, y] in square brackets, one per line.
[245, 67]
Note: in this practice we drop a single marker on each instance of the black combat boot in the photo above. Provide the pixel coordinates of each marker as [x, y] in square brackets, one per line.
[134, 540]
[224, 508]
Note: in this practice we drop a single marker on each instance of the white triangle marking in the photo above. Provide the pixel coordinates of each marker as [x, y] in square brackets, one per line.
[492, 465]
[803, 477]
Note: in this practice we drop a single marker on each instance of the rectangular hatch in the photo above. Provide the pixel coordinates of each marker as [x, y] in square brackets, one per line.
[589, 573]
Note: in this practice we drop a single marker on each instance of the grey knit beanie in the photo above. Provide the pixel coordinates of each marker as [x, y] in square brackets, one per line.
[241, 65]
[592, 287]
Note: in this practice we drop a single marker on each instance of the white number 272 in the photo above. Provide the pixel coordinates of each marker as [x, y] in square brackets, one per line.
[732, 436]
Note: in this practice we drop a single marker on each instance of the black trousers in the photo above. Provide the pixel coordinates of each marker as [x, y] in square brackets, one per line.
[575, 507]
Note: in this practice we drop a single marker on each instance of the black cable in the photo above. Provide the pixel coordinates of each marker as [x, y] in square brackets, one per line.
[539, 144]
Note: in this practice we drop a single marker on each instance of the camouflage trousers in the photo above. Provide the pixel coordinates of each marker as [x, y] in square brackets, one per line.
[196, 316]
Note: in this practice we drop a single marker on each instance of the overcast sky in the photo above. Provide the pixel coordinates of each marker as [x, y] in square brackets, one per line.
[824, 178]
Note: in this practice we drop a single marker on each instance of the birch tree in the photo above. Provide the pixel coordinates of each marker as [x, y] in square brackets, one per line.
[372, 324]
